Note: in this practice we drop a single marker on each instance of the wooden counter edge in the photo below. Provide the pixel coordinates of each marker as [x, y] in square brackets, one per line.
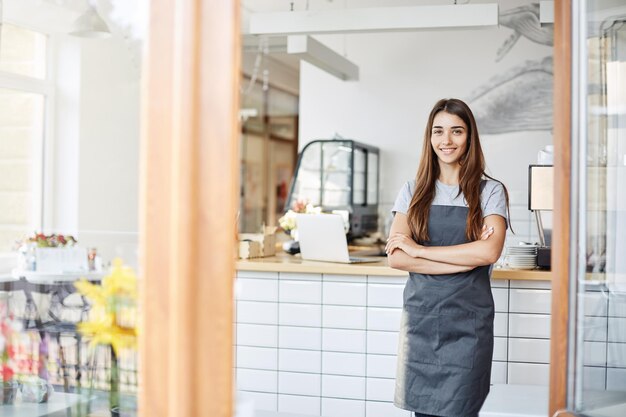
[286, 264]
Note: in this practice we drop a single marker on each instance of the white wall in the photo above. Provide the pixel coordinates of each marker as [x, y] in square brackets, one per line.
[401, 76]
[97, 145]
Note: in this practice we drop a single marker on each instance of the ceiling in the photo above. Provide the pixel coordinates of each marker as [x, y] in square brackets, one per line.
[300, 5]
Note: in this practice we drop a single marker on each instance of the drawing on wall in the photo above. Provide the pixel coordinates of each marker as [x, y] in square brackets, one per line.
[524, 21]
[518, 100]
[521, 98]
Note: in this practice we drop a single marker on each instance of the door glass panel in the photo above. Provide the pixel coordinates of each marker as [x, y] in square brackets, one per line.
[600, 339]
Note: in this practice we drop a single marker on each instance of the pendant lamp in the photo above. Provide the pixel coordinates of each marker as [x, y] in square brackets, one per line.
[90, 25]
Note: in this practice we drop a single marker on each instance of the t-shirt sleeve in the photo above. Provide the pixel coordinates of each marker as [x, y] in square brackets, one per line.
[403, 200]
[494, 201]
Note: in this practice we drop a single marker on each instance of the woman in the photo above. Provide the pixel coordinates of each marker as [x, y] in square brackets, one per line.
[448, 229]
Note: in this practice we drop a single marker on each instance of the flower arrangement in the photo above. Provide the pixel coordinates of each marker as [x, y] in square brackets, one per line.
[51, 241]
[288, 221]
[112, 319]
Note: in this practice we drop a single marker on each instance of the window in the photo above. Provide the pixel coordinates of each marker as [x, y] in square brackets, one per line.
[23, 52]
[23, 93]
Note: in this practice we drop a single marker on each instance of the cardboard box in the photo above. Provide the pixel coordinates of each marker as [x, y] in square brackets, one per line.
[249, 249]
[266, 239]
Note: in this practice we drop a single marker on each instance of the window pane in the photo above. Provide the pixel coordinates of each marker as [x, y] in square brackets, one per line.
[23, 51]
[21, 133]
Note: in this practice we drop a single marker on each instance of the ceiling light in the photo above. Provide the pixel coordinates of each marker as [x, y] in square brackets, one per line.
[90, 25]
[379, 19]
[305, 48]
[318, 54]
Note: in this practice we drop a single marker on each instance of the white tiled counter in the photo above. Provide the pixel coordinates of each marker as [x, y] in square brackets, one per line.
[322, 343]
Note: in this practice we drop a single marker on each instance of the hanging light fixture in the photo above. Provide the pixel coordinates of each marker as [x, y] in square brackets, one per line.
[90, 25]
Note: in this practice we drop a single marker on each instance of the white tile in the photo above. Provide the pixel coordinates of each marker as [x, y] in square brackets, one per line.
[335, 407]
[378, 279]
[501, 324]
[340, 363]
[256, 380]
[344, 278]
[384, 295]
[500, 348]
[617, 304]
[257, 335]
[498, 372]
[300, 337]
[529, 325]
[299, 383]
[254, 289]
[299, 404]
[261, 400]
[382, 366]
[528, 374]
[530, 301]
[594, 378]
[385, 343]
[594, 329]
[257, 357]
[254, 312]
[379, 318]
[344, 293]
[617, 329]
[299, 276]
[501, 299]
[336, 386]
[616, 355]
[542, 285]
[300, 291]
[343, 340]
[616, 379]
[384, 409]
[380, 389]
[257, 274]
[309, 315]
[529, 350]
[299, 360]
[499, 283]
[595, 303]
[594, 353]
[343, 317]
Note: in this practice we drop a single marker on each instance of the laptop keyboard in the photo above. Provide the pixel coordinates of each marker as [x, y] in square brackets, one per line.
[359, 260]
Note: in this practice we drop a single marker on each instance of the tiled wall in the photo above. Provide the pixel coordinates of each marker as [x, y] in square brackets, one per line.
[326, 344]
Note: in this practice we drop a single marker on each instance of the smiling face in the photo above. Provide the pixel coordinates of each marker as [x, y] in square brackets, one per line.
[448, 138]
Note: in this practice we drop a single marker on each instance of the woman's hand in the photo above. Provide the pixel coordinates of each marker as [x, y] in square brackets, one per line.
[486, 232]
[404, 243]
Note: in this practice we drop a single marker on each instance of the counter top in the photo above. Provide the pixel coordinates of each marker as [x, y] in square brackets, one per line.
[289, 263]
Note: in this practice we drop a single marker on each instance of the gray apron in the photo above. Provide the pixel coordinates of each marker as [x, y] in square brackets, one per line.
[446, 334]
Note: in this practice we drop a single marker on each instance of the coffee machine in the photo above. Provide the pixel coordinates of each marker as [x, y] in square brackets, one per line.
[540, 198]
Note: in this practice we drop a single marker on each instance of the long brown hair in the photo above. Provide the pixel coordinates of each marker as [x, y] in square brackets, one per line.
[470, 177]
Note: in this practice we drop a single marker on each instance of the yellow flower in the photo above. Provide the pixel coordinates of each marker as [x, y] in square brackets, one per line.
[112, 303]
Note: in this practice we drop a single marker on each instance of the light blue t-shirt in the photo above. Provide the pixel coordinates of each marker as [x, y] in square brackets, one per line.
[492, 198]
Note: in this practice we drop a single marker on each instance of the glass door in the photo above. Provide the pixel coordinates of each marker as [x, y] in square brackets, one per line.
[597, 338]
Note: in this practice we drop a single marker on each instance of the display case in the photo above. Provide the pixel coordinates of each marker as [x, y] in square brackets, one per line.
[340, 174]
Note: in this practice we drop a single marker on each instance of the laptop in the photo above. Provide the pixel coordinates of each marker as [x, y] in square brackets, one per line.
[323, 238]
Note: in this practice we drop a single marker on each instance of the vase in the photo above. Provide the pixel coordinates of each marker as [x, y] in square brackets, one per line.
[9, 391]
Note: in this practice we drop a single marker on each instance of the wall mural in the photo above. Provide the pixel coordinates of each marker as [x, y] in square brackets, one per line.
[521, 98]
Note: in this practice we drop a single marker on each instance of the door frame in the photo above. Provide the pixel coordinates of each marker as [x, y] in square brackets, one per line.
[189, 177]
